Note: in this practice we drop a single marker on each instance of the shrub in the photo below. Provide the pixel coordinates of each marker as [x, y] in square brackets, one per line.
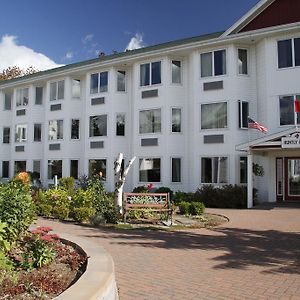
[197, 208]
[67, 183]
[182, 196]
[44, 210]
[81, 214]
[140, 189]
[60, 212]
[184, 207]
[164, 189]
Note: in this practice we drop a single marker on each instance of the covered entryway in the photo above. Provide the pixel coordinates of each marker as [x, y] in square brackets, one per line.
[283, 148]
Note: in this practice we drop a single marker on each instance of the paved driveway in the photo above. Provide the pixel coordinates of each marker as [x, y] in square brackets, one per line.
[254, 256]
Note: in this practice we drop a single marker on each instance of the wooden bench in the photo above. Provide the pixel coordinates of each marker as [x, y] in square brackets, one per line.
[154, 202]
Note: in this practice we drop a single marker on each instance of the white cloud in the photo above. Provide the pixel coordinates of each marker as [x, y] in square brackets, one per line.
[69, 55]
[12, 54]
[135, 42]
[88, 38]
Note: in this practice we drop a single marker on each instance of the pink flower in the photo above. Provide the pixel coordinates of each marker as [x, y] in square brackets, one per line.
[150, 186]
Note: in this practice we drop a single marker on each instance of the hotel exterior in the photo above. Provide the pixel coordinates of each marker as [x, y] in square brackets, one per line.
[181, 108]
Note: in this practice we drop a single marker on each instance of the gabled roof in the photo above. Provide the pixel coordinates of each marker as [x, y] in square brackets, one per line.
[267, 141]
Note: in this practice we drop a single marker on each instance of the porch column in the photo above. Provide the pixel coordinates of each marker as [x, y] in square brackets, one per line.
[249, 180]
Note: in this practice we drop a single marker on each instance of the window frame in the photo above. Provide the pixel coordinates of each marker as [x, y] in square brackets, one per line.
[125, 119]
[5, 102]
[125, 81]
[40, 161]
[107, 128]
[294, 114]
[14, 165]
[227, 116]
[72, 88]
[9, 135]
[8, 169]
[171, 175]
[240, 114]
[56, 139]
[106, 168]
[181, 71]
[62, 168]
[35, 97]
[99, 83]
[161, 125]
[160, 174]
[171, 119]
[79, 131]
[70, 164]
[213, 63]
[56, 90]
[293, 53]
[238, 69]
[150, 74]
[21, 104]
[23, 127]
[240, 170]
[227, 171]
[41, 126]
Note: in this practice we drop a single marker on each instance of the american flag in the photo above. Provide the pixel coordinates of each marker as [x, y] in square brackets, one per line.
[255, 125]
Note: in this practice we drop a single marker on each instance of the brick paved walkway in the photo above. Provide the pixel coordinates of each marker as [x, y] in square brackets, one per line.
[254, 256]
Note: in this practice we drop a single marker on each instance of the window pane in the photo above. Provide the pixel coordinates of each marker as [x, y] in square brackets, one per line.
[74, 169]
[7, 101]
[243, 110]
[20, 166]
[98, 125]
[120, 125]
[220, 62]
[61, 89]
[150, 121]
[206, 64]
[75, 129]
[176, 169]
[38, 95]
[22, 97]
[155, 73]
[297, 51]
[103, 81]
[94, 83]
[37, 132]
[121, 77]
[149, 170]
[176, 120]
[214, 170]
[53, 86]
[55, 130]
[214, 115]
[54, 168]
[75, 88]
[144, 74]
[243, 169]
[5, 169]
[287, 115]
[242, 61]
[285, 54]
[97, 167]
[21, 133]
[176, 71]
[36, 170]
[6, 135]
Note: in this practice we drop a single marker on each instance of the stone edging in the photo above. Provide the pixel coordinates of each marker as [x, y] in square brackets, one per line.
[98, 281]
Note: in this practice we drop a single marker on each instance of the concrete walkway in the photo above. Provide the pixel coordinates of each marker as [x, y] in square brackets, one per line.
[254, 256]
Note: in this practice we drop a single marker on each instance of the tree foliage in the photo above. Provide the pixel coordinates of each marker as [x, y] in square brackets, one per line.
[14, 72]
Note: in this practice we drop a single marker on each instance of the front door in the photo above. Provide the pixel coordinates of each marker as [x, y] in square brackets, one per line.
[292, 178]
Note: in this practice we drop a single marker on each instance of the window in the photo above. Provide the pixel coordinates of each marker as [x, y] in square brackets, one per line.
[214, 115]
[121, 81]
[149, 169]
[21, 133]
[75, 88]
[176, 71]
[176, 120]
[5, 169]
[214, 170]
[55, 131]
[6, 135]
[176, 169]
[7, 101]
[74, 168]
[57, 90]
[120, 125]
[98, 125]
[213, 63]
[75, 129]
[37, 132]
[20, 166]
[288, 53]
[54, 168]
[22, 97]
[39, 95]
[287, 110]
[243, 109]
[99, 82]
[150, 121]
[97, 167]
[243, 169]
[36, 169]
[243, 61]
[150, 73]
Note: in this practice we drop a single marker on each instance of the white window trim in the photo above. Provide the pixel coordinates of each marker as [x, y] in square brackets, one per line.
[22, 126]
[99, 158]
[47, 169]
[239, 170]
[150, 74]
[69, 160]
[75, 118]
[215, 129]
[56, 92]
[240, 103]
[181, 71]
[43, 95]
[107, 127]
[181, 132]
[40, 160]
[213, 63]
[293, 52]
[80, 81]
[278, 114]
[98, 88]
[161, 123]
[161, 167]
[55, 140]
[237, 61]
[42, 125]
[126, 80]
[115, 128]
[22, 104]
[181, 164]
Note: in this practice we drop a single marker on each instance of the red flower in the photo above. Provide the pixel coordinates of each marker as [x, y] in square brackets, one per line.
[150, 186]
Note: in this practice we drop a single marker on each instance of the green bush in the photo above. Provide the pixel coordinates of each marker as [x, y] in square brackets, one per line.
[197, 208]
[17, 209]
[60, 212]
[67, 183]
[184, 207]
[140, 189]
[83, 214]
[45, 210]
[164, 189]
[182, 196]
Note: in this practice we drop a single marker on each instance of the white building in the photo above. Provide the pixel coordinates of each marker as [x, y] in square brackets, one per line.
[181, 108]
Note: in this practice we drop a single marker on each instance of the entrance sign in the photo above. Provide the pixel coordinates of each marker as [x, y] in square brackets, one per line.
[292, 141]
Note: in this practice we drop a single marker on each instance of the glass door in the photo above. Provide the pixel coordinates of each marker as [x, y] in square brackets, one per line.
[292, 178]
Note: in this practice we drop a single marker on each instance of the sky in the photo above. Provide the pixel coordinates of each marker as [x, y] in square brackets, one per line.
[50, 33]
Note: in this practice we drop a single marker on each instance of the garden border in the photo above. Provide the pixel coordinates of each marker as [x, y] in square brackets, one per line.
[98, 281]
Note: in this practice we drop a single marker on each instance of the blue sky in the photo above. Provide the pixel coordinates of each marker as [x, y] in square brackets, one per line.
[68, 31]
